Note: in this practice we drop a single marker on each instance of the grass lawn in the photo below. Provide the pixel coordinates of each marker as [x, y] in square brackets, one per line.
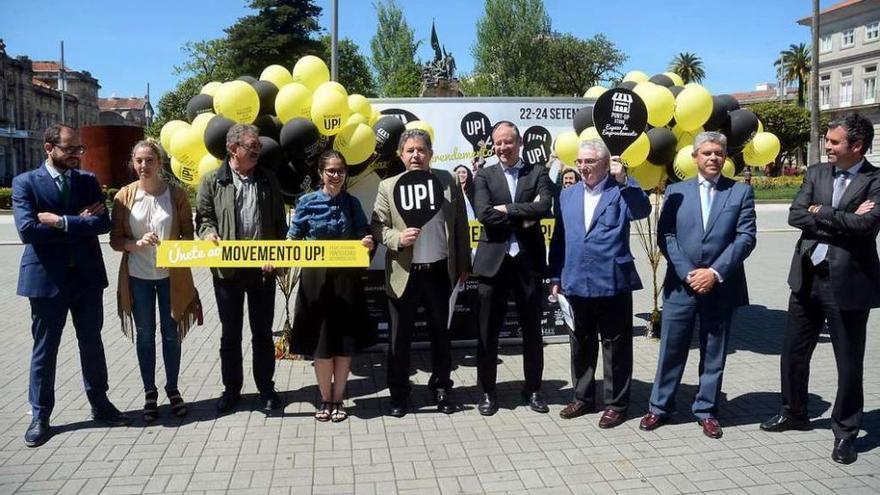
[776, 194]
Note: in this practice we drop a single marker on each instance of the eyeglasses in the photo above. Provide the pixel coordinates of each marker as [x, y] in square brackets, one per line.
[71, 150]
[255, 147]
[588, 161]
[335, 173]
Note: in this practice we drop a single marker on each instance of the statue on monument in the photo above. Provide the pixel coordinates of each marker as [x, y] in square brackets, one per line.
[438, 75]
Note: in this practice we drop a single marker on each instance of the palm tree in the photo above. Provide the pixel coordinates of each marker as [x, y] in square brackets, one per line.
[689, 66]
[795, 65]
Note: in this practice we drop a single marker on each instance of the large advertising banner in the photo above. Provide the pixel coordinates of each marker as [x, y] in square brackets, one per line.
[462, 128]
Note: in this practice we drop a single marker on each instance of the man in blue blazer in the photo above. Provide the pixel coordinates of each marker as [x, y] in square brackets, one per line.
[59, 213]
[590, 253]
[706, 231]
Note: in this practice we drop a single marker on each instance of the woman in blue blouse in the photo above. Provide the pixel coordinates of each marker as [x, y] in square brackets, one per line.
[330, 321]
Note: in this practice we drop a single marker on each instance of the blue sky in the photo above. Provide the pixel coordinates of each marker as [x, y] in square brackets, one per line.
[127, 44]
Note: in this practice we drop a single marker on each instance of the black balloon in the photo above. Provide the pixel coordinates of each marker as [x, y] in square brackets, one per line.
[627, 85]
[215, 136]
[583, 118]
[388, 130]
[662, 80]
[718, 116]
[740, 126]
[272, 156]
[418, 197]
[728, 102]
[198, 104]
[267, 92]
[739, 163]
[298, 136]
[247, 79]
[620, 117]
[662, 146]
[290, 181]
[269, 126]
[537, 142]
[675, 90]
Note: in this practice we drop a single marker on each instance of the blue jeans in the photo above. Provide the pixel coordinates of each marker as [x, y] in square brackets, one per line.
[144, 295]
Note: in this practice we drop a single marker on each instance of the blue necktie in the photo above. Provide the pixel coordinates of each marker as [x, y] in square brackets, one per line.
[706, 200]
[512, 177]
[820, 252]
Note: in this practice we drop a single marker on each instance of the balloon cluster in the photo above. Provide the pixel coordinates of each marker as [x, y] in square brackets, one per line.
[677, 112]
[299, 114]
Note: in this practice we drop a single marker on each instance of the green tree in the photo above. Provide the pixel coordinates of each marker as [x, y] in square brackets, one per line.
[689, 66]
[353, 71]
[795, 66]
[393, 47]
[574, 65]
[279, 33]
[511, 46]
[208, 59]
[790, 123]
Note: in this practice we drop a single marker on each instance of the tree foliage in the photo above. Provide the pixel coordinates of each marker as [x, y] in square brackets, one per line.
[790, 123]
[393, 48]
[795, 66]
[689, 66]
[353, 71]
[573, 65]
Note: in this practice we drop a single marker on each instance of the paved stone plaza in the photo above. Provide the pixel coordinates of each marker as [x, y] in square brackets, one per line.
[516, 450]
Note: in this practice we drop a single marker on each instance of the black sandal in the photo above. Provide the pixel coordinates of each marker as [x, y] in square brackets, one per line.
[323, 413]
[339, 413]
[178, 406]
[151, 406]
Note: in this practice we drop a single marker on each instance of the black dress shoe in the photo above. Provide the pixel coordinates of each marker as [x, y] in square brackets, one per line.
[444, 403]
[271, 401]
[535, 401]
[227, 401]
[844, 451]
[488, 404]
[398, 409]
[37, 433]
[785, 423]
[110, 416]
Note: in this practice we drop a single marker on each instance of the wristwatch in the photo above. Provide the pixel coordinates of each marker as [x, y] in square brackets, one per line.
[59, 224]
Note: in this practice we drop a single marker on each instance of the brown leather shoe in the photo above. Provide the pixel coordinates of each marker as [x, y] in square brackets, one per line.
[611, 418]
[651, 421]
[711, 427]
[574, 409]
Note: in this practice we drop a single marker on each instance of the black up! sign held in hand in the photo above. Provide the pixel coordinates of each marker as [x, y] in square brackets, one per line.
[620, 116]
[418, 196]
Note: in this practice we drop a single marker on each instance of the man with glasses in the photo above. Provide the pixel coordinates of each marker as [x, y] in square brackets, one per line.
[59, 213]
[241, 201]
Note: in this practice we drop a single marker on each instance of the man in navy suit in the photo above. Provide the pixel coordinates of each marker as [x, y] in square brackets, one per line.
[834, 278]
[706, 231]
[590, 253]
[59, 213]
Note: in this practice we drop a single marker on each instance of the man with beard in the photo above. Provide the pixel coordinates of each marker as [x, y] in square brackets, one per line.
[59, 213]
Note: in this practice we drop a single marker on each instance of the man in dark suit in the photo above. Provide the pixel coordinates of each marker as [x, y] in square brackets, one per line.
[422, 268]
[510, 200]
[590, 253]
[834, 277]
[706, 231]
[59, 213]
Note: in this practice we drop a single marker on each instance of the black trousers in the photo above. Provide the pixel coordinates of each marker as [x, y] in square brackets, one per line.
[230, 294]
[429, 288]
[493, 293]
[807, 311]
[610, 317]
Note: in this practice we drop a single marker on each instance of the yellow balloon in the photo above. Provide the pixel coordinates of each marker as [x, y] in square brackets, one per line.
[311, 72]
[201, 121]
[760, 126]
[293, 100]
[638, 151]
[188, 146]
[421, 124]
[211, 88]
[590, 133]
[685, 166]
[168, 130]
[636, 76]
[659, 101]
[332, 86]
[762, 149]
[189, 175]
[675, 78]
[329, 112]
[356, 118]
[208, 164]
[647, 175]
[595, 92]
[277, 75]
[176, 166]
[685, 138]
[356, 142]
[374, 117]
[238, 101]
[693, 106]
[566, 147]
[359, 104]
[729, 168]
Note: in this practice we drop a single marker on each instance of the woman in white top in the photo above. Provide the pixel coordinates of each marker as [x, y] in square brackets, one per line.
[144, 213]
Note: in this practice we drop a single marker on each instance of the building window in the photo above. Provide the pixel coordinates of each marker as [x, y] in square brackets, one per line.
[872, 31]
[845, 93]
[825, 44]
[824, 96]
[869, 89]
[849, 38]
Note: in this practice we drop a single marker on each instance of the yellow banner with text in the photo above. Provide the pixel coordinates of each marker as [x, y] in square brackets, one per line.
[476, 228]
[243, 254]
